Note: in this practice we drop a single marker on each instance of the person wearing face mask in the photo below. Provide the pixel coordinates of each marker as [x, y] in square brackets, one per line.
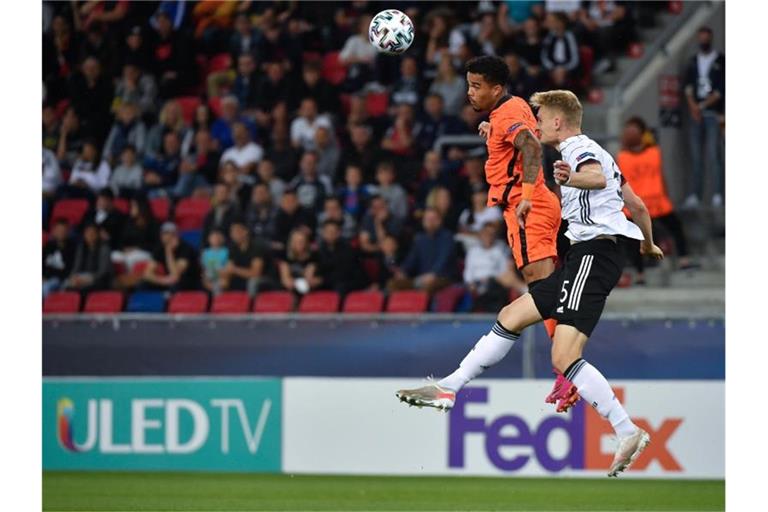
[705, 95]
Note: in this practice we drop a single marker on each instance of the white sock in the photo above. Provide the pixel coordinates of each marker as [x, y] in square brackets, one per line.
[488, 351]
[594, 388]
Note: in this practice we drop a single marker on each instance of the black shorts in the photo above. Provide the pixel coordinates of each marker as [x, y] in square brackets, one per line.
[575, 293]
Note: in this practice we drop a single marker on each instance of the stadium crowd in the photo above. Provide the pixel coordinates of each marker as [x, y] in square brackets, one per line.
[267, 145]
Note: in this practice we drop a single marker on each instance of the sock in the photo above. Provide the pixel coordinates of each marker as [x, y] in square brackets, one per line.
[489, 350]
[594, 388]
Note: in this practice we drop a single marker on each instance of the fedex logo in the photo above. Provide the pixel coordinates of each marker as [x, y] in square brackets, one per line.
[584, 428]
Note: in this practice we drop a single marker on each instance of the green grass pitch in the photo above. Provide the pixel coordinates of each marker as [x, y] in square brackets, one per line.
[105, 491]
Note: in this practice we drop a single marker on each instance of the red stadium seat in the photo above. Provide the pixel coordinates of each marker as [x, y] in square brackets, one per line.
[273, 302]
[333, 70]
[376, 103]
[320, 302]
[46, 236]
[70, 209]
[445, 300]
[122, 205]
[188, 106]
[219, 62]
[514, 295]
[215, 105]
[62, 302]
[160, 207]
[408, 301]
[364, 302]
[140, 266]
[230, 302]
[190, 213]
[103, 302]
[188, 302]
[346, 103]
[587, 60]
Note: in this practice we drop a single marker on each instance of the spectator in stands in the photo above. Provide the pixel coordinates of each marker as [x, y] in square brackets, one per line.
[359, 56]
[450, 86]
[363, 152]
[92, 268]
[141, 235]
[314, 86]
[353, 194]
[51, 174]
[178, 259]
[222, 127]
[109, 220]
[205, 156]
[276, 46]
[50, 128]
[328, 153]
[298, 268]
[273, 89]
[59, 58]
[90, 93]
[291, 216]
[230, 175]
[126, 179]
[305, 125]
[640, 162]
[332, 211]
[213, 259]
[128, 128]
[89, 174]
[137, 87]
[521, 82]
[161, 173]
[203, 120]
[171, 61]
[378, 223]
[489, 35]
[359, 115]
[560, 52]
[266, 175]
[260, 213]
[338, 265]
[399, 139]
[282, 154]
[58, 257]
[387, 260]
[475, 171]
[705, 95]
[484, 269]
[430, 264]
[245, 88]
[439, 24]
[245, 39]
[440, 200]
[432, 176]
[470, 118]
[170, 120]
[136, 49]
[529, 46]
[224, 211]
[211, 18]
[392, 192]
[435, 123]
[408, 88]
[473, 219]
[311, 188]
[245, 153]
[608, 28]
[248, 261]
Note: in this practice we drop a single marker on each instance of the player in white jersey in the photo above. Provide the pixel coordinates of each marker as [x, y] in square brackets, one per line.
[593, 195]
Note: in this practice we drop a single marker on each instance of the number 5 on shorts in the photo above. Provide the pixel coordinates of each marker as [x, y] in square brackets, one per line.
[563, 292]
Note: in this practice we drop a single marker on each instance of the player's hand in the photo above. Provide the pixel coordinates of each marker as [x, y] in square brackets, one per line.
[522, 211]
[651, 250]
[562, 172]
[484, 130]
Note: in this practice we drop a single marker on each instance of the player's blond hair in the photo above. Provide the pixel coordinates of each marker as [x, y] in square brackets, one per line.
[564, 101]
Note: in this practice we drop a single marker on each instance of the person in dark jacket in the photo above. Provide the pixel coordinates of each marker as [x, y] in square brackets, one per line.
[92, 268]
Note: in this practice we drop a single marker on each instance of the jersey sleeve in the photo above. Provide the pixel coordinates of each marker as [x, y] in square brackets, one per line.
[512, 128]
[581, 155]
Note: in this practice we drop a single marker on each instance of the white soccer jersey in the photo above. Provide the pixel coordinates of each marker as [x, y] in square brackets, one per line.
[591, 213]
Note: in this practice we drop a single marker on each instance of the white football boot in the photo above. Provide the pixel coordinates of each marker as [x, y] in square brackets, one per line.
[430, 395]
[628, 450]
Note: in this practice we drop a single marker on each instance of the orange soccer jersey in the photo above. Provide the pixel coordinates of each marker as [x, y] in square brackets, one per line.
[504, 174]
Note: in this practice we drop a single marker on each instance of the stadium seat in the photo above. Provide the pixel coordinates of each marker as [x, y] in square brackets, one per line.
[188, 106]
[273, 302]
[587, 59]
[188, 302]
[193, 237]
[160, 207]
[376, 103]
[219, 62]
[46, 236]
[104, 302]
[320, 302]
[122, 205]
[146, 302]
[230, 302]
[445, 300]
[346, 103]
[514, 295]
[364, 302]
[333, 70]
[62, 302]
[190, 213]
[408, 301]
[372, 269]
[215, 105]
[70, 209]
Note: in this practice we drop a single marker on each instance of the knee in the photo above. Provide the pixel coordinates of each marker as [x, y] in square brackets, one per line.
[509, 320]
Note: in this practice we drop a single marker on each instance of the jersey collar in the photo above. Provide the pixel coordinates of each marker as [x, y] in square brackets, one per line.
[567, 141]
[502, 101]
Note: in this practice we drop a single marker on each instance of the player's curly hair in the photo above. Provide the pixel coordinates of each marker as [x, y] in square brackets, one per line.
[493, 69]
[562, 100]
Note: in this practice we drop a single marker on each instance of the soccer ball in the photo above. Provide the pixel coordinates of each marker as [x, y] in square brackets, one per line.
[391, 32]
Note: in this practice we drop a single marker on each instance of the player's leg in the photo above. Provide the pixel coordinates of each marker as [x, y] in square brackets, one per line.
[491, 348]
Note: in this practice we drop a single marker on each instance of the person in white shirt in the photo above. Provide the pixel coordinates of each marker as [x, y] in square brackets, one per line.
[51, 173]
[245, 153]
[486, 260]
[359, 55]
[90, 172]
[472, 220]
[303, 128]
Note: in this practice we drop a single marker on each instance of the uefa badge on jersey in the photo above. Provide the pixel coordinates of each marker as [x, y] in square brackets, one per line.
[585, 156]
[514, 127]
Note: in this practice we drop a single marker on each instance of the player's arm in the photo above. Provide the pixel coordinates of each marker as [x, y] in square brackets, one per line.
[530, 150]
[642, 218]
[588, 176]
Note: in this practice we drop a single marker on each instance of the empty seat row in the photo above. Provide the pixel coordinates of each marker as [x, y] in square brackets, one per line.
[196, 302]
